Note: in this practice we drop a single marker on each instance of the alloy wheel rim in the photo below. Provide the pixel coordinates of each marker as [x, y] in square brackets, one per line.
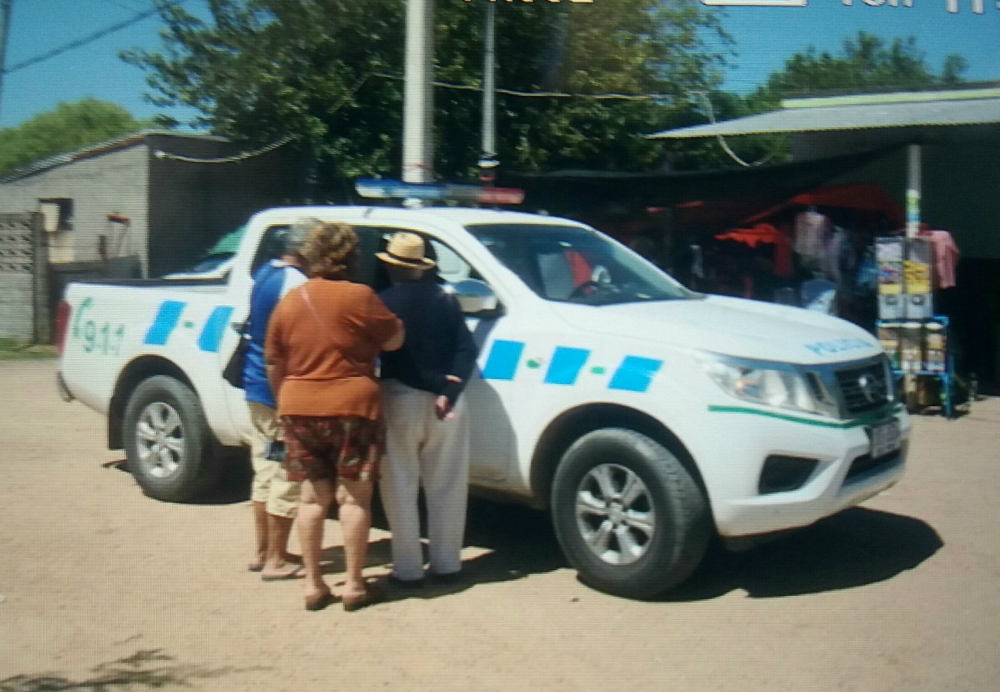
[160, 439]
[614, 514]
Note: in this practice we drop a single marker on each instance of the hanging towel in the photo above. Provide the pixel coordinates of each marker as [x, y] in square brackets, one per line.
[945, 258]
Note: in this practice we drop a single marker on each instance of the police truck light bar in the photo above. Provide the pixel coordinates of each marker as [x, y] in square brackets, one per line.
[374, 188]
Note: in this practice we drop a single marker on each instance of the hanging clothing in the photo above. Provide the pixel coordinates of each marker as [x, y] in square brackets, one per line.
[830, 262]
[811, 231]
[945, 258]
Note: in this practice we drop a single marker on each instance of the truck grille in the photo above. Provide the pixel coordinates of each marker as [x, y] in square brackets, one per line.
[864, 388]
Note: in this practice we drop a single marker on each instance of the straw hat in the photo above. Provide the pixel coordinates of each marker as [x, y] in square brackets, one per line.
[406, 250]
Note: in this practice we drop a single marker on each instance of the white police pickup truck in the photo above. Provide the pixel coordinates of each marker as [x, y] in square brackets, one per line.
[646, 417]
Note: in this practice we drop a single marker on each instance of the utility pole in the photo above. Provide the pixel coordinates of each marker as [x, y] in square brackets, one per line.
[418, 93]
[4, 32]
[488, 156]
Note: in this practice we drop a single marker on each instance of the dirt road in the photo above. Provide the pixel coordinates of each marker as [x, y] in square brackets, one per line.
[105, 589]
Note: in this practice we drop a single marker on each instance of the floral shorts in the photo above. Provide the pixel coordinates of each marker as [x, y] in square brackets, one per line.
[331, 447]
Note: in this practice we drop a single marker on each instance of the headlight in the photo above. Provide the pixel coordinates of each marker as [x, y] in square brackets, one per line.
[777, 385]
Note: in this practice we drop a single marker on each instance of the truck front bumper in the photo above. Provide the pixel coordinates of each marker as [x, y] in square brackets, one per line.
[843, 473]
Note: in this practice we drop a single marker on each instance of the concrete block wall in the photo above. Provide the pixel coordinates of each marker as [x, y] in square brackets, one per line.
[23, 297]
[112, 182]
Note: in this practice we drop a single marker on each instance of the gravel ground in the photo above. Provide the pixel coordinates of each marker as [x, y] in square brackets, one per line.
[102, 588]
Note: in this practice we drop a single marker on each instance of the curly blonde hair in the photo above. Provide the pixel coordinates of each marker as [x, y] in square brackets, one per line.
[330, 250]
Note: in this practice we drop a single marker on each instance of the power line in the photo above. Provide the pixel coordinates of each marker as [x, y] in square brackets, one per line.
[540, 94]
[4, 32]
[160, 154]
[79, 43]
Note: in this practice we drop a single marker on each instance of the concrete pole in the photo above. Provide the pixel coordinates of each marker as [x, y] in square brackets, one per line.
[4, 32]
[913, 189]
[418, 93]
[489, 150]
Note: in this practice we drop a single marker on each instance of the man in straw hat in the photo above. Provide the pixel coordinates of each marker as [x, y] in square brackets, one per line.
[427, 436]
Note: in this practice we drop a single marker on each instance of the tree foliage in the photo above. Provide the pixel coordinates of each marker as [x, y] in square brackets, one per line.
[866, 63]
[68, 127]
[327, 73]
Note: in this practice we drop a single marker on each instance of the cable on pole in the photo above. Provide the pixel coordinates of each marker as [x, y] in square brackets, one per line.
[90, 38]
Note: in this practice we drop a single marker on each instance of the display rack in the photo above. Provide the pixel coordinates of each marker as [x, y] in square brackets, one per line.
[921, 347]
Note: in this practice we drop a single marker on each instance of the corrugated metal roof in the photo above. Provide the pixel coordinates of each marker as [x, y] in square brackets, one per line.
[122, 142]
[815, 117]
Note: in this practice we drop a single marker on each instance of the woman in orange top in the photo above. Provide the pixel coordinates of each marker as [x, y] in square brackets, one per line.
[321, 346]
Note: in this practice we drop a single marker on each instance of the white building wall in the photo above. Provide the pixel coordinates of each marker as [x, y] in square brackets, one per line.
[115, 182]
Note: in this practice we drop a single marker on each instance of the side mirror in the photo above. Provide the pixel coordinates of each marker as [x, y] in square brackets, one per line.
[475, 297]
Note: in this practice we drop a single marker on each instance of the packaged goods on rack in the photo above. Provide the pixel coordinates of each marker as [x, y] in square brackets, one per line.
[911, 347]
[935, 347]
[889, 337]
[917, 279]
[889, 255]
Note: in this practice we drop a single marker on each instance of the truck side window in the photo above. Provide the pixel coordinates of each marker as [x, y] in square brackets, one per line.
[450, 265]
[368, 244]
[272, 246]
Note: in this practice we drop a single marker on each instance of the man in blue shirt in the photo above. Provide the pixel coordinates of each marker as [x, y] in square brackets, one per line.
[427, 431]
[274, 498]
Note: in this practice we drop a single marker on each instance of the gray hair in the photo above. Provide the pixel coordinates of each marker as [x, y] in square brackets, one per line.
[298, 232]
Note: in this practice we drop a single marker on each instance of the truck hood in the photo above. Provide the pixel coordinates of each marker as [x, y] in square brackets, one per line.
[730, 326]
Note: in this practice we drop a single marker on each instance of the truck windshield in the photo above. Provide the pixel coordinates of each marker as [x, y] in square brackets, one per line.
[576, 265]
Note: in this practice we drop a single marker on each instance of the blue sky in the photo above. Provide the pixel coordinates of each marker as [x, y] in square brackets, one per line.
[765, 36]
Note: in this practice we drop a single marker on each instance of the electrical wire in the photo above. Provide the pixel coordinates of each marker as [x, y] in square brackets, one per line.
[725, 145]
[538, 94]
[162, 155]
[90, 38]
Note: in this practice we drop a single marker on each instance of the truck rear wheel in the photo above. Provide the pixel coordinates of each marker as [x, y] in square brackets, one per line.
[167, 441]
[628, 515]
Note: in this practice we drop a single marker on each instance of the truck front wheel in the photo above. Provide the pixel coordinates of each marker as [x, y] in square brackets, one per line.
[167, 441]
[628, 515]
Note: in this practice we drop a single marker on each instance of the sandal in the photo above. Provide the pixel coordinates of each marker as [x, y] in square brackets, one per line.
[321, 602]
[297, 572]
[373, 594]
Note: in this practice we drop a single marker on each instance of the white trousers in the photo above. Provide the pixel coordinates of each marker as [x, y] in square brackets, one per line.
[422, 450]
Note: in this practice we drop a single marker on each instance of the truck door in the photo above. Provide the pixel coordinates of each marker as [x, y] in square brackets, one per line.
[493, 444]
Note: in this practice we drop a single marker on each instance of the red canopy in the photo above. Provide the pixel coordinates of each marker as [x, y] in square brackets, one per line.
[760, 233]
[861, 197]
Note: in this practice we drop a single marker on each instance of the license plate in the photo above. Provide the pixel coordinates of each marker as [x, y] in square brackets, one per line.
[884, 437]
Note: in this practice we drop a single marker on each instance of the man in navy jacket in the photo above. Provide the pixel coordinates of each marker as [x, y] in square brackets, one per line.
[427, 437]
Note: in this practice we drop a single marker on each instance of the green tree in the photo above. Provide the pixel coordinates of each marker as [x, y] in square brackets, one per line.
[327, 74]
[866, 63]
[68, 127]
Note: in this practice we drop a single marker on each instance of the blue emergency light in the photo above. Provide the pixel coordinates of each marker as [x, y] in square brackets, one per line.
[375, 188]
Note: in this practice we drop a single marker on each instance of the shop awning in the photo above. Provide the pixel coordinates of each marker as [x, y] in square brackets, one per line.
[858, 197]
[933, 109]
[742, 191]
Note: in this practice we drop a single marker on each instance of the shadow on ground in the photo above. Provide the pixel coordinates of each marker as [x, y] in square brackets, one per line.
[146, 669]
[857, 547]
[854, 548]
[517, 541]
[233, 486]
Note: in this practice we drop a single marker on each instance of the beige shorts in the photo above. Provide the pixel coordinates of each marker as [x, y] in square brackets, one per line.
[270, 482]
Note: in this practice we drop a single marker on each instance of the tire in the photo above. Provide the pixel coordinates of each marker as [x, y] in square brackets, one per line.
[168, 445]
[628, 515]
